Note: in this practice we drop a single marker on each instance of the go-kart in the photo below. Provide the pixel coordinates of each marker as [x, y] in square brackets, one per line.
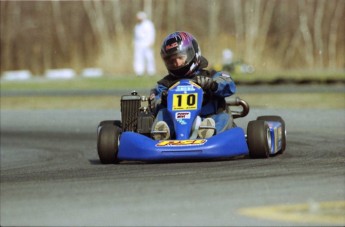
[130, 139]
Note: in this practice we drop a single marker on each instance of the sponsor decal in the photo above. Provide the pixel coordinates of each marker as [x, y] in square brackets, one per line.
[182, 115]
[173, 143]
[185, 88]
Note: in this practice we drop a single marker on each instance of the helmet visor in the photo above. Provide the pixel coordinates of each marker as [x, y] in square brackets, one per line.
[179, 59]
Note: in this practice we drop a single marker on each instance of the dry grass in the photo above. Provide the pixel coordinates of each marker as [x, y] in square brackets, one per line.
[61, 102]
[296, 100]
[130, 82]
[278, 100]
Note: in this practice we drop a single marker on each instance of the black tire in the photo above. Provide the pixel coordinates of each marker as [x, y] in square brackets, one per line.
[109, 122]
[108, 143]
[279, 119]
[258, 139]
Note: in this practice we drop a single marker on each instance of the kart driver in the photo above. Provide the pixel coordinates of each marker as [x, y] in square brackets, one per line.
[182, 57]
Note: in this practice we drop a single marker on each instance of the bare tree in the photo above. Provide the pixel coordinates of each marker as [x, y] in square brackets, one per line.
[318, 39]
[265, 23]
[213, 27]
[7, 34]
[148, 7]
[337, 19]
[306, 34]
[239, 24]
[171, 15]
[59, 27]
[297, 33]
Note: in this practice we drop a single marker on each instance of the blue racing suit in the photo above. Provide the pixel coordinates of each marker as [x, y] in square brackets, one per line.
[214, 101]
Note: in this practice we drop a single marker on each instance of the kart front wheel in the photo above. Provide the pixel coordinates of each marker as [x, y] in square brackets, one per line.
[108, 143]
[108, 122]
[278, 119]
[259, 139]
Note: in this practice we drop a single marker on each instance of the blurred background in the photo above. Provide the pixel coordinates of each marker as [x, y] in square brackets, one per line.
[268, 34]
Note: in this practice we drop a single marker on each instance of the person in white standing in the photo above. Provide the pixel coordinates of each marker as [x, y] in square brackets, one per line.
[144, 37]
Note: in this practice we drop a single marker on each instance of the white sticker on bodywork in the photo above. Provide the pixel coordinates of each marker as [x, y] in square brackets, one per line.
[182, 115]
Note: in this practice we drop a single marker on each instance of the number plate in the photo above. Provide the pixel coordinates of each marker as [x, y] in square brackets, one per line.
[185, 101]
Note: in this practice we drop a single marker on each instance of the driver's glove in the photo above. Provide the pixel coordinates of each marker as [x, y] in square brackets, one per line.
[152, 102]
[207, 83]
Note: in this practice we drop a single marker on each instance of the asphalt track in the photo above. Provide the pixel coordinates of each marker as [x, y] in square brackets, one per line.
[51, 176]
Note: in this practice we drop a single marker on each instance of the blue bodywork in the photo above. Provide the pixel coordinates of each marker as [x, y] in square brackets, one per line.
[184, 104]
[134, 146]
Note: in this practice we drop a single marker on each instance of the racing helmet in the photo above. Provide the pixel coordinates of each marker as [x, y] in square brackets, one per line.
[181, 54]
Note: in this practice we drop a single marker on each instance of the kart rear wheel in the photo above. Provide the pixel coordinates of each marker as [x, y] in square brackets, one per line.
[259, 139]
[279, 119]
[108, 143]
